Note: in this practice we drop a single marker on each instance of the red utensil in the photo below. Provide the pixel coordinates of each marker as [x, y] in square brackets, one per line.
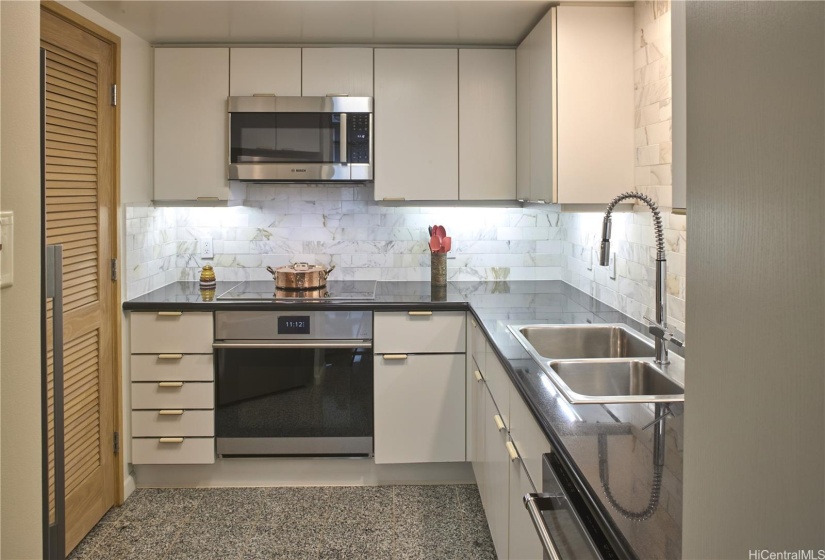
[446, 243]
[440, 232]
[435, 244]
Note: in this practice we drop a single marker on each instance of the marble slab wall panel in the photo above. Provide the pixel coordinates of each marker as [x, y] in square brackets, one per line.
[653, 95]
[345, 227]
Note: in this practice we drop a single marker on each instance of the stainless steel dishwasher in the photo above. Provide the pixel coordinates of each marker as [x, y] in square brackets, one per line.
[294, 383]
[566, 527]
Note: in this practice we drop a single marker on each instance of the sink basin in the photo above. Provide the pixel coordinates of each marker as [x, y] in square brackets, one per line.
[573, 342]
[614, 381]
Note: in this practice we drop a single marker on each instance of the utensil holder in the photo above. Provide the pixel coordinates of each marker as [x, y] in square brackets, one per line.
[438, 269]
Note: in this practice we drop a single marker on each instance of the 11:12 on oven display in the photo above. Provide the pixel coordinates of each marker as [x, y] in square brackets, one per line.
[293, 324]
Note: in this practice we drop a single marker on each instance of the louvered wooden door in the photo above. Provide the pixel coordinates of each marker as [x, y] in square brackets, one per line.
[80, 142]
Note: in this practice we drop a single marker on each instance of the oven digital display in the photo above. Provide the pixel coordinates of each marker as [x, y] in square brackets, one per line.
[293, 324]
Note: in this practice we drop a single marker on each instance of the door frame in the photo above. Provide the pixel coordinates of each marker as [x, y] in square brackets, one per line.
[107, 36]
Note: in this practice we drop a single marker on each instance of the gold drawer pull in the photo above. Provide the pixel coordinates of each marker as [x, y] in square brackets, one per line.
[170, 412]
[420, 313]
[170, 313]
[388, 198]
[170, 384]
[207, 198]
[499, 422]
[511, 450]
[395, 356]
[171, 440]
[473, 321]
[170, 356]
[478, 375]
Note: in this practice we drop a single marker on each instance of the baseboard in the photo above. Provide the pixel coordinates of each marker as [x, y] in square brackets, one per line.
[129, 486]
[269, 471]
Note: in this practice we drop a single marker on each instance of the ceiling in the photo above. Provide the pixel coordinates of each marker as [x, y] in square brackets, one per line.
[442, 22]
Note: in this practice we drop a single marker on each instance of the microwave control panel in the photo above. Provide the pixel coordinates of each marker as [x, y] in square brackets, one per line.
[358, 137]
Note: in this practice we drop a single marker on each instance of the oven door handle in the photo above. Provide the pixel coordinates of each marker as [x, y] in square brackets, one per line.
[535, 504]
[293, 344]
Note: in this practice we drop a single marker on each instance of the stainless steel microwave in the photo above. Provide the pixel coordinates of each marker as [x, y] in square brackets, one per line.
[300, 139]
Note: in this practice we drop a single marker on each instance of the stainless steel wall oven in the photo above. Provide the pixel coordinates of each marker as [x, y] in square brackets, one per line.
[295, 383]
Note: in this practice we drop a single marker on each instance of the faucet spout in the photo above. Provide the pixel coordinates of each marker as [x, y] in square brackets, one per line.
[659, 331]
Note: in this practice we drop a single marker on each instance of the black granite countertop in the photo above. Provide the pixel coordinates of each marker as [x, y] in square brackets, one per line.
[590, 438]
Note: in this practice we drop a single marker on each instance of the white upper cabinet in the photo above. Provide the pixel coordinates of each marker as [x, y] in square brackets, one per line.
[191, 87]
[337, 71]
[575, 124]
[274, 71]
[487, 124]
[416, 124]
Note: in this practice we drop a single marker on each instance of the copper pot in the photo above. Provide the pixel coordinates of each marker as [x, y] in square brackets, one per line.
[315, 293]
[300, 276]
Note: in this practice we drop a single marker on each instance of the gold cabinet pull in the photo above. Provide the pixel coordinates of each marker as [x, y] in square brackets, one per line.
[395, 356]
[170, 412]
[420, 313]
[499, 422]
[388, 198]
[170, 356]
[511, 450]
[478, 375]
[473, 321]
[171, 440]
[170, 313]
[170, 384]
[207, 198]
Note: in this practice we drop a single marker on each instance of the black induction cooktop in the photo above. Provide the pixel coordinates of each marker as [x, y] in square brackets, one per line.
[264, 290]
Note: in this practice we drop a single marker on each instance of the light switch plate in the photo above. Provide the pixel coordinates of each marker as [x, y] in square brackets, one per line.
[7, 251]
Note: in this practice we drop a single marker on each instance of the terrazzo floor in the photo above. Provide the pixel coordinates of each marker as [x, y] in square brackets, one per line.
[296, 523]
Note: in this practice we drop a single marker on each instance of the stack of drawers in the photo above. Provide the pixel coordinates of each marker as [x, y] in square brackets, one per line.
[173, 381]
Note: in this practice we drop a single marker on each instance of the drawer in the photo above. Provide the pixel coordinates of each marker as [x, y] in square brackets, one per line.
[173, 422]
[171, 332]
[188, 395]
[498, 382]
[172, 367]
[478, 343]
[152, 451]
[420, 332]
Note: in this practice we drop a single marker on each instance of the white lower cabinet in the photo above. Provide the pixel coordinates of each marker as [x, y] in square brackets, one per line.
[506, 452]
[173, 389]
[419, 408]
[524, 543]
[496, 476]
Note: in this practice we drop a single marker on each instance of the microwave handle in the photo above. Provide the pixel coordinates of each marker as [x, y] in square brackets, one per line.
[343, 138]
[535, 503]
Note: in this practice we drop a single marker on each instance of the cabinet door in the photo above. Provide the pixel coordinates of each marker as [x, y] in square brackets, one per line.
[475, 400]
[416, 124]
[478, 436]
[344, 71]
[524, 544]
[523, 96]
[497, 478]
[191, 86]
[527, 436]
[265, 70]
[595, 112]
[419, 408]
[543, 101]
[487, 124]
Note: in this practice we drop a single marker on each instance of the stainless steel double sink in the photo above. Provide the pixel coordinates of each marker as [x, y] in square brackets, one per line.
[601, 363]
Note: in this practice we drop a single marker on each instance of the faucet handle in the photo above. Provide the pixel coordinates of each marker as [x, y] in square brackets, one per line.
[659, 331]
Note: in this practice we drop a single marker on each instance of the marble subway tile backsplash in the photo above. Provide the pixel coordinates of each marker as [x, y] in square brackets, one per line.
[340, 226]
[633, 290]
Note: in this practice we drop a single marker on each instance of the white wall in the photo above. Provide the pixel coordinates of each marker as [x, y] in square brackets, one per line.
[754, 473]
[136, 99]
[20, 424]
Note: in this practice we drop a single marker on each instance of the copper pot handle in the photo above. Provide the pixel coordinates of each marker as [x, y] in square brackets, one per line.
[326, 272]
[271, 270]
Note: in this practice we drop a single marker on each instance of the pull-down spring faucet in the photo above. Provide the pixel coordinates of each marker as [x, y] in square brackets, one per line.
[657, 328]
